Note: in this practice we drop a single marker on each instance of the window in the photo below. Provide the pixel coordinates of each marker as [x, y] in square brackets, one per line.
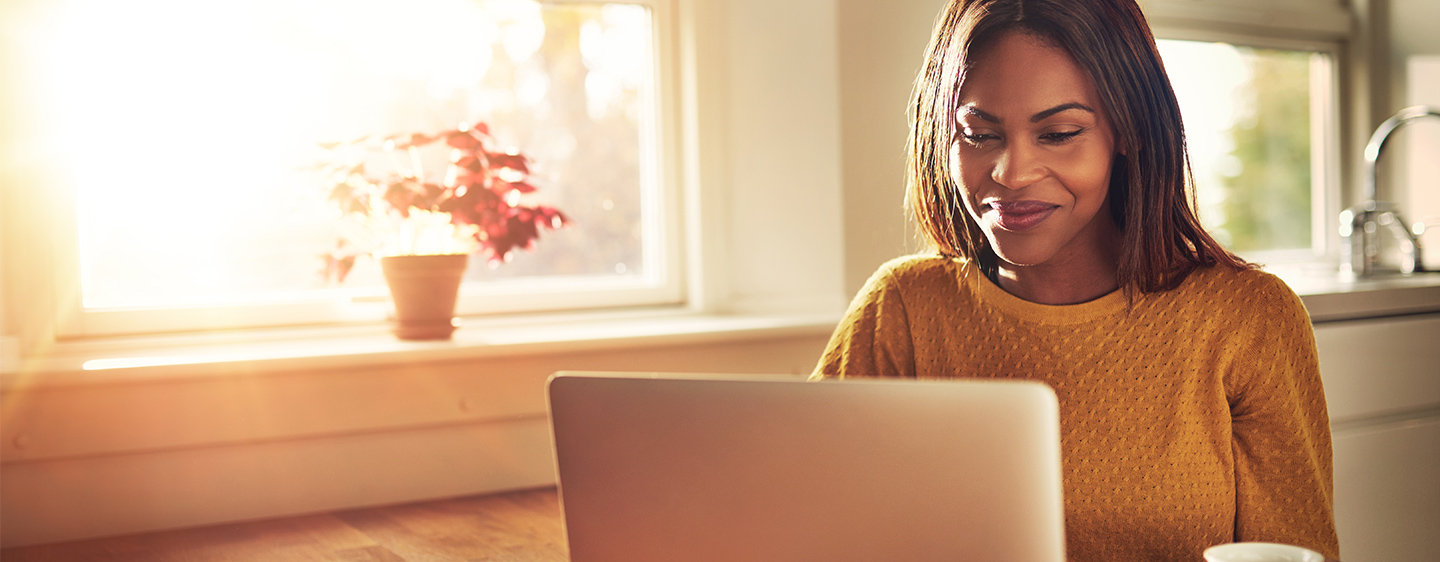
[1257, 122]
[190, 128]
[1258, 83]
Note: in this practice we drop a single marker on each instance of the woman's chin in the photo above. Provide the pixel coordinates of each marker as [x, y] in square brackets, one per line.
[1022, 254]
[1023, 260]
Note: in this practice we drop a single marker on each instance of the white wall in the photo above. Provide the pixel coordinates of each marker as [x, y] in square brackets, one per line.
[1415, 56]
[785, 151]
[882, 44]
[204, 444]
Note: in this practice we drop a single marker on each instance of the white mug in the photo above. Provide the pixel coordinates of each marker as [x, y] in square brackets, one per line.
[1260, 552]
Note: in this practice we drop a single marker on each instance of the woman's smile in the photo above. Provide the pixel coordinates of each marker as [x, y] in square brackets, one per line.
[1018, 216]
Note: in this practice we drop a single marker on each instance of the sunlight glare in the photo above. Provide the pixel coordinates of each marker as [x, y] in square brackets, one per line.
[522, 30]
[1206, 89]
[191, 130]
[188, 121]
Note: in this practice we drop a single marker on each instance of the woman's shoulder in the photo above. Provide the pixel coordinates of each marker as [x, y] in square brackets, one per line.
[1240, 289]
[929, 275]
[922, 264]
[922, 269]
[1251, 282]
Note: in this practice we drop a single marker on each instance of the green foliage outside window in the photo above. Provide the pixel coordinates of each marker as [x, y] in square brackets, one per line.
[1266, 203]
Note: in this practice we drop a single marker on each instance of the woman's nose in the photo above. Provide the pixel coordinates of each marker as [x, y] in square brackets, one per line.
[1018, 165]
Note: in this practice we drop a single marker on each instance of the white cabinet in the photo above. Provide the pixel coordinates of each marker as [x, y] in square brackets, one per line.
[1382, 384]
[1387, 491]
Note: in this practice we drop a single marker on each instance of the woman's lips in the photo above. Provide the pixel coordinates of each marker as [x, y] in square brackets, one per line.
[1019, 216]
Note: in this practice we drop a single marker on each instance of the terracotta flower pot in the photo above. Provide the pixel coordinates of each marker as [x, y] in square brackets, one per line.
[424, 289]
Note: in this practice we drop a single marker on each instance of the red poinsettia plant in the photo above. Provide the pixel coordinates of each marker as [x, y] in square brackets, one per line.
[474, 206]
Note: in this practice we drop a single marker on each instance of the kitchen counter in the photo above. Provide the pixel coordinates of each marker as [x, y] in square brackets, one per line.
[1376, 340]
[1330, 297]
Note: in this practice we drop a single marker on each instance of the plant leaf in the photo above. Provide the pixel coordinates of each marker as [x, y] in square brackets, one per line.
[511, 160]
[400, 197]
[521, 186]
[462, 140]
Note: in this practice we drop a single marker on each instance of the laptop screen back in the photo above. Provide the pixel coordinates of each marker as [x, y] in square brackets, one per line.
[671, 467]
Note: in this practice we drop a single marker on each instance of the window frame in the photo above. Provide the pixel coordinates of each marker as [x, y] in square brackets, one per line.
[52, 273]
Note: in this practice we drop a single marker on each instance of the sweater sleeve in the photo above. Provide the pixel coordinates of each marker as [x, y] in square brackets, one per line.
[1280, 428]
[873, 339]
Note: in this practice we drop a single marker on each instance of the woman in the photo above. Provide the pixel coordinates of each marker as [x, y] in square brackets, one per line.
[1048, 170]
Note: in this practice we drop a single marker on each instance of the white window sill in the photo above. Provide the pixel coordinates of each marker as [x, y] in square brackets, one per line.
[133, 359]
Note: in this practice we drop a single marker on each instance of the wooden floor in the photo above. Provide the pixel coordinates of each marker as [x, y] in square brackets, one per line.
[519, 526]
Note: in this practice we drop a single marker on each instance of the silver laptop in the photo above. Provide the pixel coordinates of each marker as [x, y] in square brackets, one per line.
[673, 467]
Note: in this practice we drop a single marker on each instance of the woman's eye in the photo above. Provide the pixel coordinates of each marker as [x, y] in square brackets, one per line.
[1060, 136]
[976, 138]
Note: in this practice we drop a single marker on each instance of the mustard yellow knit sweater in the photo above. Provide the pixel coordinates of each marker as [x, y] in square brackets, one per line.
[1191, 418]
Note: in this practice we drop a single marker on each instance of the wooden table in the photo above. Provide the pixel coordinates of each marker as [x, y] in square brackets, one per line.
[521, 526]
[518, 526]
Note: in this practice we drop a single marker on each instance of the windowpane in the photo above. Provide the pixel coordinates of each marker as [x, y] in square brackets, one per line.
[195, 125]
[1248, 125]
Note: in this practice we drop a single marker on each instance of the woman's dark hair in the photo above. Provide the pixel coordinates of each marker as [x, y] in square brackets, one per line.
[1162, 239]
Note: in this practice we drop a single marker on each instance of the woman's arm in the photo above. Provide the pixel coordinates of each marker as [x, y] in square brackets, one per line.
[1280, 428]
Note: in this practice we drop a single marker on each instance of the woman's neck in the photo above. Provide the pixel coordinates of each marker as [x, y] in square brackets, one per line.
[1075, 276]
[1047, 286]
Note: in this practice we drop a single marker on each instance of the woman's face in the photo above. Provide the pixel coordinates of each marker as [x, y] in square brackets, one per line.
[1033, 154]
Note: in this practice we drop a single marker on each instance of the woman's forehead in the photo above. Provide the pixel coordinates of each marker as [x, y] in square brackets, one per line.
[1024, 74]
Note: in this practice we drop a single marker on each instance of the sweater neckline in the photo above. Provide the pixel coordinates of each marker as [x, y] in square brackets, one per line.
[990, 294]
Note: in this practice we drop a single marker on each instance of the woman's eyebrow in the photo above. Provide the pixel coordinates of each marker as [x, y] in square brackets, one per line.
[1043, 115]
[970, 109]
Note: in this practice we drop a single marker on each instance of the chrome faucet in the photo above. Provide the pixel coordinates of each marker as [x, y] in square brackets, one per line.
[1365, 220]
